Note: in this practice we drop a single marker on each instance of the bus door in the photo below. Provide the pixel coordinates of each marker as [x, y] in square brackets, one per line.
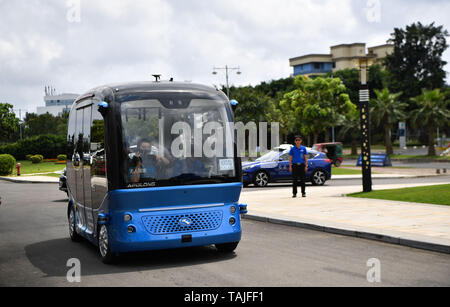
[98, 180]
[87, 119]
[81, 163]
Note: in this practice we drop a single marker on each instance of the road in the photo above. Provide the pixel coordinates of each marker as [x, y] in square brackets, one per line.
[35, 248]
[429, 165]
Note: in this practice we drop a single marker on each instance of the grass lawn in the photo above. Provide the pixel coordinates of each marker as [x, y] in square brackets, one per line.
[345, 171]
[446, 158]
[436, 194]
[27, 167]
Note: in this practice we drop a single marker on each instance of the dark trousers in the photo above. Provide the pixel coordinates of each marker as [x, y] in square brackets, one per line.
[298, 173]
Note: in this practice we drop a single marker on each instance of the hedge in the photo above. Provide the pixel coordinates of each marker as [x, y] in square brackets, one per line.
[50, 146]
[37, 159]
[7, 163]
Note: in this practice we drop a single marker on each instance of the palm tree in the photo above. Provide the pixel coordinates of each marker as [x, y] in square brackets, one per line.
[433, 112]
[386, 109]
[351, 124]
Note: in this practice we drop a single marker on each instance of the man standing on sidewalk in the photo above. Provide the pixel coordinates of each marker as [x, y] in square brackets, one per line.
[298, 165]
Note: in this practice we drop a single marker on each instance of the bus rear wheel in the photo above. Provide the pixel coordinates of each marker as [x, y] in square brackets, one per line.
[74, 236]
[227, 247]
[104, 247]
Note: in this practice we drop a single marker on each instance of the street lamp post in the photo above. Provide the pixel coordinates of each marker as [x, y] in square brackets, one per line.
[227, 69]
[364, 98]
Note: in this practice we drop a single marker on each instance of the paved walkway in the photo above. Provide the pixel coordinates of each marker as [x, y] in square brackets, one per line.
[325, 208]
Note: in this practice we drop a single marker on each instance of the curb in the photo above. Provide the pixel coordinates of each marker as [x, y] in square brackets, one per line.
[388, 176]
[26, 181]
[354, 233]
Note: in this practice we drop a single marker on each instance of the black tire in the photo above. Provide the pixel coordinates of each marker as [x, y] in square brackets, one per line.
[318, 177]
[261, 179]
[227, 247]
[74, 236]
[337, 163]
[104, 248]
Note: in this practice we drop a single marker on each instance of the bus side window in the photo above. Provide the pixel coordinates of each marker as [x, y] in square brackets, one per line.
[99, 182]
[71, 182]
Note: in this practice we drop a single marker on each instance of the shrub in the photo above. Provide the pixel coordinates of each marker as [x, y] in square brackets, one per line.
[48, 145]
[62, 157]
[37, 159]
[28, 157]
[7, 163]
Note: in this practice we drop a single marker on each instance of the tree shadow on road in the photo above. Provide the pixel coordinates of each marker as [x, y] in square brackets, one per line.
[51, 258]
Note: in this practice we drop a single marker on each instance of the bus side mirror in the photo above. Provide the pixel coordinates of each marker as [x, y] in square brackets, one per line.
[103, 108]
[234, 104]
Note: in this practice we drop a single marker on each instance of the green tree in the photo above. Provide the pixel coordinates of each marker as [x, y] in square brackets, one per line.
[350, 78]
[45, 124]
[351, 125]
[9, 124]
[416, 62]
[433, 112]
[253, 105]
[386, 109]
[317, 104]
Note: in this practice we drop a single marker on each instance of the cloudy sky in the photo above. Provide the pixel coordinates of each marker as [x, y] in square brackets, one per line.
[75, 45]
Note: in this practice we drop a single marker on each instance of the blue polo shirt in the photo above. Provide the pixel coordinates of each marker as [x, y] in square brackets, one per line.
[298, 154]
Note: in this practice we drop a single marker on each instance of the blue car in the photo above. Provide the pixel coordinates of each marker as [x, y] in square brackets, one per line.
[274, 167]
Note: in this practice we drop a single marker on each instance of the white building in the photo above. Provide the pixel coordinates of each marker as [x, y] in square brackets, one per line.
[57, 104]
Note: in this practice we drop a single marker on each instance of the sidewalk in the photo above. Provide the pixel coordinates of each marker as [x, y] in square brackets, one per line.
[326, 209]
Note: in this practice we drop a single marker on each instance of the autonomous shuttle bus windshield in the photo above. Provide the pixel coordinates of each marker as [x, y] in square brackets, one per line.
[153, 166]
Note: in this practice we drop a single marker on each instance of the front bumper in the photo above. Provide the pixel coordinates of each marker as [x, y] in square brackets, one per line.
[160, 230]
[247, 177]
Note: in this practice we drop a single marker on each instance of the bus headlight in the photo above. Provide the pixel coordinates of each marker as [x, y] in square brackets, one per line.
[233, 209]
[127, 217]
[232, 221]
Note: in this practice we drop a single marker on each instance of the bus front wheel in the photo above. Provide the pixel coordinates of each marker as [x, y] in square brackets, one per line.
[227, 247]
[104, 247]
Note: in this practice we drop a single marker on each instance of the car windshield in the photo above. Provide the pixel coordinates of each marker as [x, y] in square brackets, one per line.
[270, 156]
[177, 139]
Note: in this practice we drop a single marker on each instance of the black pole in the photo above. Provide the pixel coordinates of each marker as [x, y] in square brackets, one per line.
[365, 138]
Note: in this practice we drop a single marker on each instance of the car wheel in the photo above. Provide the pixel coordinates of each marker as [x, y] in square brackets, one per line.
[227, 247]
[318, 177]
[261, 179]
[104, 247]
[74, 236]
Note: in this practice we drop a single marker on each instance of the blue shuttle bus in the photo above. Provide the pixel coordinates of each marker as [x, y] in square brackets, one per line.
[129, 187]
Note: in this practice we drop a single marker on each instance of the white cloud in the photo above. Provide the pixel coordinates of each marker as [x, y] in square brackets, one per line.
[119, 40]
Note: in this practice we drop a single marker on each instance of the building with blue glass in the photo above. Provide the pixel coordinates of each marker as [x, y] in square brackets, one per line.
[344, 56]
[57, 104]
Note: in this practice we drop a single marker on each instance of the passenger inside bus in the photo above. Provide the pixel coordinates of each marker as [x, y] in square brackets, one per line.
[145, 165]
[189, 168]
